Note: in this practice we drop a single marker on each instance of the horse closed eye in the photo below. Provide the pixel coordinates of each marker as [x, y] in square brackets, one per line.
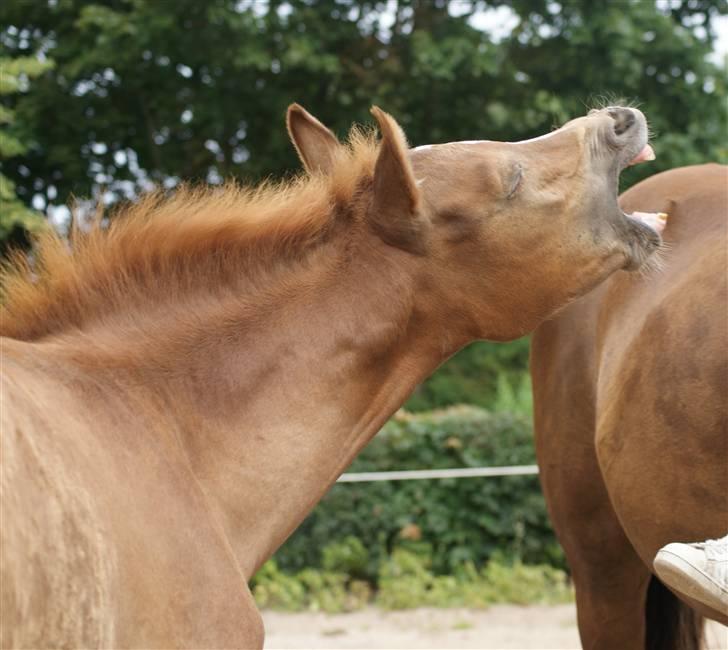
[515, 181]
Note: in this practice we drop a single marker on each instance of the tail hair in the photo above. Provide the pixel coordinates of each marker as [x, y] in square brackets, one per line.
[670, 623]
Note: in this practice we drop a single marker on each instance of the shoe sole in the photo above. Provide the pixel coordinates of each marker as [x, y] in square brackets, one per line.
[682, 576]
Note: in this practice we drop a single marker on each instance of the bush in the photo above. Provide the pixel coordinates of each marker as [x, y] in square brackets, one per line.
[451, 521]
[309, 589]
[478, 375]
[406, 581]
[347, 556]
[449, 542]
[274, 589]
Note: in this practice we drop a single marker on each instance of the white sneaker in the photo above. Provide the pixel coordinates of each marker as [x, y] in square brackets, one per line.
[699, 571]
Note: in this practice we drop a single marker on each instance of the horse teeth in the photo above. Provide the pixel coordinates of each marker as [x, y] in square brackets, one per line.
[655, 220]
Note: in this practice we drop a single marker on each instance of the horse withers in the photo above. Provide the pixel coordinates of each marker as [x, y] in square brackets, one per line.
[180, 389]
[631, 413]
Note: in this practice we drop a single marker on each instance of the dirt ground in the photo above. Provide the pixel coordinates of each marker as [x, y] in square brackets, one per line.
[503, 627]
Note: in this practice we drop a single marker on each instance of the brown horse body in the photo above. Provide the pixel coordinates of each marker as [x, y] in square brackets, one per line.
[631, 391]
[180, 390]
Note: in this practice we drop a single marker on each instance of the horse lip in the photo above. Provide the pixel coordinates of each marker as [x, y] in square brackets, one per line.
[643, 226]
[633, 149]
[637, 145]
[645, 154]
[640, 244]
[641, 239]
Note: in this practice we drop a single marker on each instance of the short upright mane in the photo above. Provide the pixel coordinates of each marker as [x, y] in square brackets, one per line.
[163, 244]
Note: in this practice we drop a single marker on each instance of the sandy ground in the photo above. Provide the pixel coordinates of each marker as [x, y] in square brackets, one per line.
[503, 627]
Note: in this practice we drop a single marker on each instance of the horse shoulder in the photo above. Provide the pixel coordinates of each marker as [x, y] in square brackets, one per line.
[58, 571]
[107, 540]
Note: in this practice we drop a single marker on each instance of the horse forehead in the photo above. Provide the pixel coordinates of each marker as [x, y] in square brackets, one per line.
[463, 153]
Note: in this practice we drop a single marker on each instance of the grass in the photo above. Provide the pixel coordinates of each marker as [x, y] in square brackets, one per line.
[462, 625]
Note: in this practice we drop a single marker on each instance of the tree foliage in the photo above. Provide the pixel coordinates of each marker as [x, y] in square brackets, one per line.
[16, 219]
[196, 89]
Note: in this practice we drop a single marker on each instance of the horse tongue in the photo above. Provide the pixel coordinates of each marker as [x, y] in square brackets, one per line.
[646, 154]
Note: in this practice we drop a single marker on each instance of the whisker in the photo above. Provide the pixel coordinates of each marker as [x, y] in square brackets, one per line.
[657, 262]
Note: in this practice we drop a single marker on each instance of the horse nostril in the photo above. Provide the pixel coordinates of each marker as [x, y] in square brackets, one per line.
[623, 118]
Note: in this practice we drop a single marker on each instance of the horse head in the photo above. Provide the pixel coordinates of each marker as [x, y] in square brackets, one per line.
[512, 231]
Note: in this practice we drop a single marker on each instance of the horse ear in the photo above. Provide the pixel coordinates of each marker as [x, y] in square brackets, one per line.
[394, 213]
[316, 145]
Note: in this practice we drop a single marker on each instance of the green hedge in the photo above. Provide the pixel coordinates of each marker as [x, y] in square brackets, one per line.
[484, 374]
[451, 522]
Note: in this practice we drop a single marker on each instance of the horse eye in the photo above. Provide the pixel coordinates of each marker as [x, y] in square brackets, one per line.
[516, 178]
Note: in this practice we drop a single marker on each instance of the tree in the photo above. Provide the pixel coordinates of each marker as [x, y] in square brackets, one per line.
[16, 219]
[196, 89]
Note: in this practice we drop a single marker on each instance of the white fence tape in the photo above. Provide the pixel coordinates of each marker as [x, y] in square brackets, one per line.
[465, 472]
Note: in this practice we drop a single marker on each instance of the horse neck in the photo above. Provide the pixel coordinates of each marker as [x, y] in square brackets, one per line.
[271, 409]
[299, 395]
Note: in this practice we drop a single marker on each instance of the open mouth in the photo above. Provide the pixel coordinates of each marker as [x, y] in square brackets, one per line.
[655, 221]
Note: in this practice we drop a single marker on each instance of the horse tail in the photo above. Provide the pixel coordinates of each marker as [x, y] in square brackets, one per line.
[670, 623]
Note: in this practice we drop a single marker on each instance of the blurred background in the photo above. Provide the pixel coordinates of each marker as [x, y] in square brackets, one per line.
[102, 100]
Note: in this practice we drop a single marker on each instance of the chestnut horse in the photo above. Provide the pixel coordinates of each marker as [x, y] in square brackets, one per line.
[630, 401]
[180, 389]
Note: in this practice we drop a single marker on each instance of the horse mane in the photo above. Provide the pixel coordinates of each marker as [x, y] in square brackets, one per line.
[161, 246]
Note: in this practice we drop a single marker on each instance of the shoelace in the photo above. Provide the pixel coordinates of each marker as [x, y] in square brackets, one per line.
[716, 550]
